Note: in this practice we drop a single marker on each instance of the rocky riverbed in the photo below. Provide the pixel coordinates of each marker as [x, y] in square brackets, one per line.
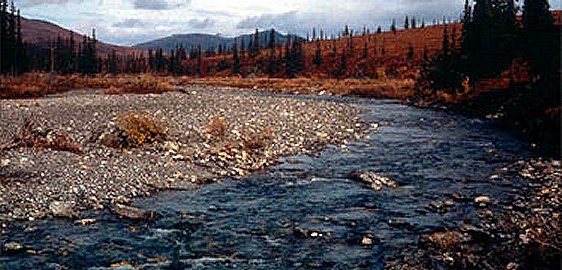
[523, 233]
[41, 178]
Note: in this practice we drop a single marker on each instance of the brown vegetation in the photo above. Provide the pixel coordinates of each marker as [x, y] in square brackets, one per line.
[140, 129]
[34, 85]
[217, 128]
[33, 135]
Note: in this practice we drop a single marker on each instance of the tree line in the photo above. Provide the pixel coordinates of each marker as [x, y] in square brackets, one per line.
[492, 37]
[64, 56]
[12, 48]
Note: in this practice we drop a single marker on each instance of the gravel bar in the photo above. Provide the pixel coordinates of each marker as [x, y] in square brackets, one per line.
[39, 182]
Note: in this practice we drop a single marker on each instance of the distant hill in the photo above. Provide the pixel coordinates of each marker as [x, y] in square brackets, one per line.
[40, 33]
[207, 41]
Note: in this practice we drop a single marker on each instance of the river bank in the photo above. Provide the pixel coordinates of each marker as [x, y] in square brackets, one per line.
[207, 134]
[522, 233]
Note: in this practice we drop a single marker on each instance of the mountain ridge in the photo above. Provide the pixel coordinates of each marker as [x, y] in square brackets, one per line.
[41, 33]
[209, 41]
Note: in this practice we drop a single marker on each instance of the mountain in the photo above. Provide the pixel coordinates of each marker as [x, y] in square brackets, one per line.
[41, 33]
[208, 41]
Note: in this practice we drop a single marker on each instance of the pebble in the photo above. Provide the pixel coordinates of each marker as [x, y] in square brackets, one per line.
[482, 199]
[13, 247]
[264, 128]
[366, 241]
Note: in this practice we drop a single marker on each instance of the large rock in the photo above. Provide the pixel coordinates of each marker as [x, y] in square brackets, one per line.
[63, 210]
[133, 213]
[373, 181]
[13, 248]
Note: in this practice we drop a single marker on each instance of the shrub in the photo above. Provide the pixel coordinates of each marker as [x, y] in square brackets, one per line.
[32, 135]
[140, 129]
[112, 90]
[256, 141]
[217, 128]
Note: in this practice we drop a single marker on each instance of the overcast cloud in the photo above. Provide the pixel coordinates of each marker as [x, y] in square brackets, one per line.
[128, 22]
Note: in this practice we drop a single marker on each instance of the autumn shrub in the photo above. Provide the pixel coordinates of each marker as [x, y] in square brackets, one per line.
[112, 90]
[140, 129]
[33, 135]
[217, 128]
[258, 140]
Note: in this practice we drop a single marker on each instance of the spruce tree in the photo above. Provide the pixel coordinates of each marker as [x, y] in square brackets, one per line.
[454, 37]
[21, 54]
[407, 23]
[272, 41]
[257, 46]
[12, 39]
[410, 51]
[445, 47]
[541, 45]
[341, 67]
[537, 16]
[317, 60]
[235, 58]
[3, 33]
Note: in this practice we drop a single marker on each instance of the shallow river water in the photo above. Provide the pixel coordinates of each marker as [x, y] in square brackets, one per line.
[250, 224]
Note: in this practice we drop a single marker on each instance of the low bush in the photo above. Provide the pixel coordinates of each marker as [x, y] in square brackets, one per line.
[138, 130]
[258, 140]
[217, 128]
[33, 135]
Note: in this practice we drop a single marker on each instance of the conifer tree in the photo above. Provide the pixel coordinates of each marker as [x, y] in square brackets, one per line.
[272, 41]
[257, 47]
[317, 60]
[235, 58]
[411, 53]
[542, 47]
[313, 34]
[407, 23]
[454, 37]
[341, 67]
[3, 36]
[445, 47]
[393, 26]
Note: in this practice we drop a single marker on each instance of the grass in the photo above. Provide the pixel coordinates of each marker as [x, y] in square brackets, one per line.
[380, 88]
[34, 85]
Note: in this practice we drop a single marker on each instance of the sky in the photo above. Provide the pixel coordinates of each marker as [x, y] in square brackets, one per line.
[128, 22]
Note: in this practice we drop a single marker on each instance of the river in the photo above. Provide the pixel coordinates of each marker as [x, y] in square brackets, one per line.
[251, 223]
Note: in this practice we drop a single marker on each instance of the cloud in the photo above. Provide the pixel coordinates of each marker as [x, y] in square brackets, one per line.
[159, 4]
[151, 4]
[202, 24]
[130, 23]
[332, 15]
[30, 3]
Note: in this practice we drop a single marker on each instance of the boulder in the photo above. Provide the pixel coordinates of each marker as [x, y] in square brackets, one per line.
[482, 199]
[13, 248]
[133, 213]
[373, 181]
[63, 210]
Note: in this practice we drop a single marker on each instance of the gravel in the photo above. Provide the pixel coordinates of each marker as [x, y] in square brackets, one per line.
[34, 179]
[524, 234]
